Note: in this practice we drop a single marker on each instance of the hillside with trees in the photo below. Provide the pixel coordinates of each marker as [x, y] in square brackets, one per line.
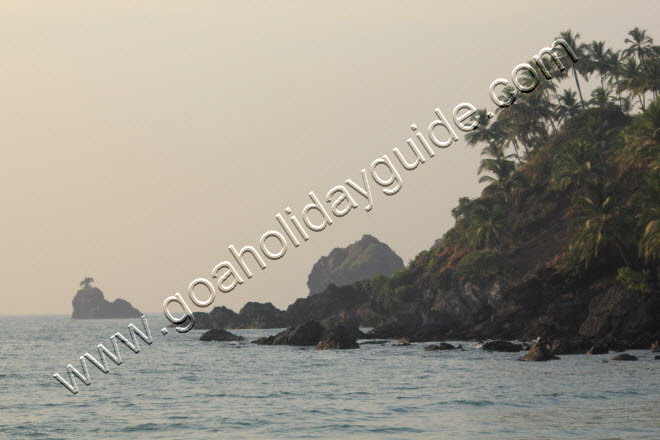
[565, 237]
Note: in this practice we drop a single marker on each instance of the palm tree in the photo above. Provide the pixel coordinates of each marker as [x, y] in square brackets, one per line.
[633, 81]
[614, 70]
[641, 149]
[599, 60]
[497, 163]
[600, 98]
[640, 45]
[488, 225]
[574, 165]
[601, 224]
[647, 202]
[578, 68]
[568, 105]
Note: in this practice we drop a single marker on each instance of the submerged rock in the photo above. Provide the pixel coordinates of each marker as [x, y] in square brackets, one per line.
[402, 342]
[539, 353]
[505, 346]
[219, 334]
[624, 357]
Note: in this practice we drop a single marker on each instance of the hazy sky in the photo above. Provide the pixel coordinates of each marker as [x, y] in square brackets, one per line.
[138, 140]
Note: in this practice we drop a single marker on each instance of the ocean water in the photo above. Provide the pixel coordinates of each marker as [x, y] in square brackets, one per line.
[179, 387]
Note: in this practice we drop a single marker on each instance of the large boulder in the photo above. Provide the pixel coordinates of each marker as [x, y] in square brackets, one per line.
[361, 260]
[539, 353]
[219, 334]
[307, 334]
[89, 303]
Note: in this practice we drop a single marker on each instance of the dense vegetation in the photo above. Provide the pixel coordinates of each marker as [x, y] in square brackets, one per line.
[573, 183]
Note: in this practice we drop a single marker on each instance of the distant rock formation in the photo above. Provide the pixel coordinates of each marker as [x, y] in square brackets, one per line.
[89, 303]
[359, 261]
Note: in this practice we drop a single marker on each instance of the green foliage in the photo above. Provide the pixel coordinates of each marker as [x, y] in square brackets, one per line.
[633, 280]
[479, 265]
[85, 283]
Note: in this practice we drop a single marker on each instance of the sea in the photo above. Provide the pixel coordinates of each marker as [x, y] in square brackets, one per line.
[181, 388]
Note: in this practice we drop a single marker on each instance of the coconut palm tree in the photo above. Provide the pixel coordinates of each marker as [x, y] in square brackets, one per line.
[568, 105]
[640, 45]
[488, 225]
[600, 98]
[578, 69]
[599, 60]
[574, 165]
[601, 224]
[647, 201]
[497, 163]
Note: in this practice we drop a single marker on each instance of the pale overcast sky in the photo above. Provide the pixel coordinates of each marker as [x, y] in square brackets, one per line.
[138, 140]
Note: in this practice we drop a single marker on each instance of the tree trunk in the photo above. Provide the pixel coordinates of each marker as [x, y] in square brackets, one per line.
[577, 83]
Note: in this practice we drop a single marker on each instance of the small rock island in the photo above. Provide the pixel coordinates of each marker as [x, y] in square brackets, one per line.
[89, 303]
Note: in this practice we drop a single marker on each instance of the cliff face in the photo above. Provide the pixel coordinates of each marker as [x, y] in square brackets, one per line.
[89, 303]
[361, 260]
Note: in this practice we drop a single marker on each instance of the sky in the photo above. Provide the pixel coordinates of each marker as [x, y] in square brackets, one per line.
[138, 140]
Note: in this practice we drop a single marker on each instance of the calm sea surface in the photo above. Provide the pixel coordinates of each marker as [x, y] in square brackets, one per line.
[180, 388]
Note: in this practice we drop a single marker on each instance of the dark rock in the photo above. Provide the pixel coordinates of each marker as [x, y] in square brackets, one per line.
[307, 334]
[624, 357]
[505, 346]
[402, 342]
[570, 346]
[218, 334]
[339, 337]
[261, 315]
[539, 353]
[441, 346]
[89, 303]
[343, 302]
[657, 357]
[361, 260]
[598, 349]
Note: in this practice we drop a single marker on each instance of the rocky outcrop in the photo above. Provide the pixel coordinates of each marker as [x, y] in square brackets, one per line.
[339, 337]
[539, 353]
[89, 303]
[312, 333]
[361, 260]
[221, 335]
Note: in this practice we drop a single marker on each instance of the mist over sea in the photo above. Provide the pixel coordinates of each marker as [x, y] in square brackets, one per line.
[179, 387]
